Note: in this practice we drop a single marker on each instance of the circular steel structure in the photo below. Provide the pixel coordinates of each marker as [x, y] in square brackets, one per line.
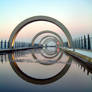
[39, 18]
[13, 36]
[47, 31]
[46, 38]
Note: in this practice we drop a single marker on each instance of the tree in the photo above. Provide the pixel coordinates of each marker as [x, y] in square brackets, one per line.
[85, 42]
[5, 44]
[1, 44]
[81, 43]
[89, 47]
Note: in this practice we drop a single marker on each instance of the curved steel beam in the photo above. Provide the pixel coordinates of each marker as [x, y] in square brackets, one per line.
[47, 31]
[46, 38]
[39, 18]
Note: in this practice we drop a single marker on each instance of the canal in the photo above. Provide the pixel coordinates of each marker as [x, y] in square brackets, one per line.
[43, 71]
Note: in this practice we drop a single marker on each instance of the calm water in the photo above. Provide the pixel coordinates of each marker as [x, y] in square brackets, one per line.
[43, 71]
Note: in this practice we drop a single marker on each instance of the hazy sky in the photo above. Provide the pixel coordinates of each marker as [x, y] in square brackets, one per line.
[76, 15]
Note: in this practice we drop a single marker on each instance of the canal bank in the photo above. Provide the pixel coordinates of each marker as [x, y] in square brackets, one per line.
[83, 55]
[17, 49]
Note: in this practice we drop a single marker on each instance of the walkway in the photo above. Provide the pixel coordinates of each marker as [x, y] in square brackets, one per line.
[87, 53]
[84, 55]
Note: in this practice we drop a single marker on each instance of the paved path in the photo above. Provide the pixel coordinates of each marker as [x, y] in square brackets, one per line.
[83, 52]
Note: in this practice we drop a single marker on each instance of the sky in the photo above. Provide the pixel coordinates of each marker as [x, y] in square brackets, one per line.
[76, 15]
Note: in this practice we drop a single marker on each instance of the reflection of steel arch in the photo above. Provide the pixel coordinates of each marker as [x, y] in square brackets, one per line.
[39, 18]
[60, 54]
[30, 79]
[49, 56]
[46, 31]
[50, 62]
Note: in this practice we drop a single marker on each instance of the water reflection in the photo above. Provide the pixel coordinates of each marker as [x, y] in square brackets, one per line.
[4, 58]
[30, 79]
[50, 57]
[83, 67]
[15, 57]
[40, 81]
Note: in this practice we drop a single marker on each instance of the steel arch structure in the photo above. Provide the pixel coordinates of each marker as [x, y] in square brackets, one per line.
[39, 18]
